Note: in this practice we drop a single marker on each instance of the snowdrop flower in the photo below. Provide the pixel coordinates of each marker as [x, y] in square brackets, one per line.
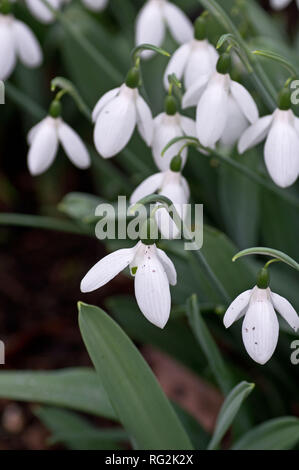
[193, 59]
[44, 139]
[170, 184]
[41, 11]
[153, 272]
[95, 5]
[151, 21]
[260, 328]
[116, 115]
[280, 4]
[219, 99]
[167, 126]
[17, 40]
[281, 151]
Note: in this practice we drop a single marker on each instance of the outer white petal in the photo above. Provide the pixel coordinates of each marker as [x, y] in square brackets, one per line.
[7, 51]
[148, 186]
[145, 122]
[73, 146]
[179, 24]
[44, 147]
[279, 4]
[103, 101]
[95, 5]
[168, 266]
[212, 111]
[236, 124]
[282, 151]
[107, 268]
[150, 28]
[27, 46]
[286, 310]
[244, 101]
[177, 63]
[188, 126]
[165, 129]
[115, 124]
[255, 133]
[40, 11]
[176, 193]
[152, 288]
[202, 61]
[194, 93]
[237, 308]
[260, 331]
[33, 131]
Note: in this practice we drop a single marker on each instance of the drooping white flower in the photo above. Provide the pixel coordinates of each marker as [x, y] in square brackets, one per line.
[116, 115]
[44, 139]
[95, 5]
[280, 4]
[172, 185]
[17, 41]
[281, 152]
[153, 272]
[191, 61]
[41, 11]
[260, 328]
[166, 128]
[151, 22]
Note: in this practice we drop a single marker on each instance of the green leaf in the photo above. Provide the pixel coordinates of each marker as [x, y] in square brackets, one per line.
[229, 410]
[79, 389]
[276, 434]
[134, 392]
[77, 433]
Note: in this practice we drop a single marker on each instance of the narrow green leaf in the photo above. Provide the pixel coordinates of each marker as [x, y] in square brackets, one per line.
[229, 410]
[279, 255]
[134, 392]
[276, 434]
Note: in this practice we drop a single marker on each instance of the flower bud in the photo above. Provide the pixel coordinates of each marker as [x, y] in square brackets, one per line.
[55, 109]
[263, 279]
[200, 28]
[284, 99]
[133, 77]
[170, 105]
[176, 163]
[224, 63]
[149, 232]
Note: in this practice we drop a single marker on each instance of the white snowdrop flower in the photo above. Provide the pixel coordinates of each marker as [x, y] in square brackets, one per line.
[281, 151]
[172, 185]
[151, 22]
[167, 126]
[280, 4]
[195, 58]
[218, 98]
[41, 11]
[44, 139]
[116, 115]
[17, 41]
[153, 272]
[95, 5]
[260, 327]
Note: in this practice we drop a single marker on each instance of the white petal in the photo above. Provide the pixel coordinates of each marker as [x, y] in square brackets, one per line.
[145, 122]
[202, 61]
[282, 151]
[107, 268]
[7, 51]
[188, 126]
[236, 124]
[237, 308]
[73, 146]
[27, 46]
[148, 186]
[177, 63]
[40, 11]
[150, 28]
[103, 101]
[255, 133]
[95, 5]
[33, 131]
[115, 124]
[152, 289]
[279, 4]
[286, 310]
[194, 93]
[244, 101]
[176, 193]
[260, 331]
[44, 147]
[212, 111]
[168, 266]
[179, 24]
[166, 128]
